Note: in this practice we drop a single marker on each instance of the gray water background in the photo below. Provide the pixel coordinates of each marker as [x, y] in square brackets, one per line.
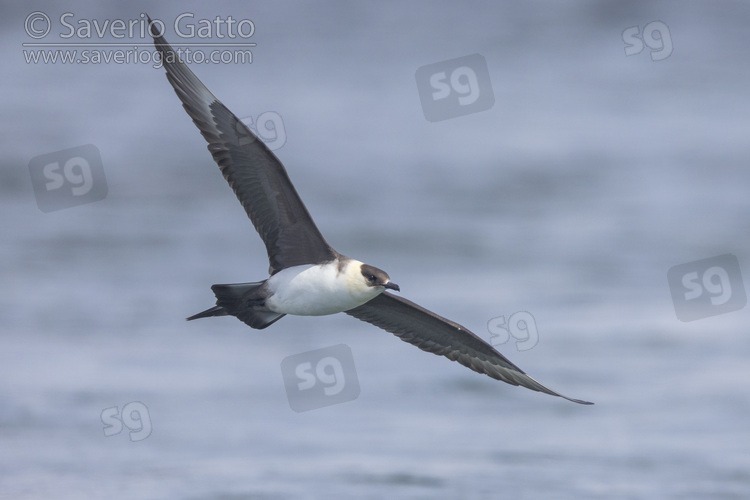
[591, 176]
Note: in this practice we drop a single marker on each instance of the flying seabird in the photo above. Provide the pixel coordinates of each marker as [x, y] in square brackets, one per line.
[307, 276]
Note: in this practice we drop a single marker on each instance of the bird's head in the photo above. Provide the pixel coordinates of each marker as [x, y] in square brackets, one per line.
[366, 282]
[378, 278]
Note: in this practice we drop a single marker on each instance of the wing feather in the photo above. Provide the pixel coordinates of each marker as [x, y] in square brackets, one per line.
[257, 177]
[432, 333]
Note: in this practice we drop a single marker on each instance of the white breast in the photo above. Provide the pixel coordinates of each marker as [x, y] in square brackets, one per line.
[316, 290]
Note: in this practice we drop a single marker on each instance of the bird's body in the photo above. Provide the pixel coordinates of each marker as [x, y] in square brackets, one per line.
[307, 276]
[319, 290]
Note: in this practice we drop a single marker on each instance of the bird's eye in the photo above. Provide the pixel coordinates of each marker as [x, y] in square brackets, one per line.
[371, 277]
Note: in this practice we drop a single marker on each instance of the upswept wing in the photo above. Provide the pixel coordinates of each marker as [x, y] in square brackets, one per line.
[254, 173]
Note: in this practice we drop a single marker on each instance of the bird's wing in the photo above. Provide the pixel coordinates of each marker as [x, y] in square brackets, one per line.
[432, 333]
[254, 173]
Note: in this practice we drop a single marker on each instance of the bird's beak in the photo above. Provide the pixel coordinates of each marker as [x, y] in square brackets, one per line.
[392, 286]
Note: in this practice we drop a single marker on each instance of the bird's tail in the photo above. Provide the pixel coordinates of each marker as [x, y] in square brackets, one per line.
[214, 311]
[243, 301]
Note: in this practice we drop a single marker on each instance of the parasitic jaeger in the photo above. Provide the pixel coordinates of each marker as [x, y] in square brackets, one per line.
[307, 276]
